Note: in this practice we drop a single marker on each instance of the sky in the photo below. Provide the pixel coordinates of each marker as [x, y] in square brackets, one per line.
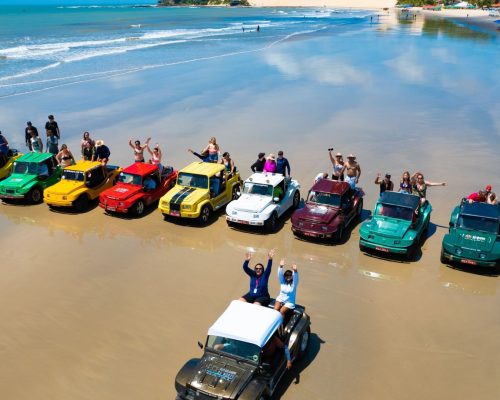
[74, 2]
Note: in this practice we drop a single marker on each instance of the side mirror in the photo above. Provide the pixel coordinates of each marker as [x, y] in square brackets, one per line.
[238, 193]
[276, 199]
[200, 345]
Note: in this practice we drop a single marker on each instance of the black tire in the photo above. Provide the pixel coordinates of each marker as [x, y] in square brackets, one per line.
[139, 208]
[81, 203]
[304, 342]
[340, 233]
[205, 214]
[272, 222]
[410, 255]
[35, 195]
[296, 200]
[443, 258]
[165, 217]
[359, 208]
[234, 194]
[362, 248]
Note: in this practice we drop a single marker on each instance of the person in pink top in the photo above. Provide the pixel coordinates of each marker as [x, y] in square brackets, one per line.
[270, 164]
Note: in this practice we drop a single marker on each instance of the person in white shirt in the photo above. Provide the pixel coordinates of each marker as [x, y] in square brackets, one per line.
[289, 280]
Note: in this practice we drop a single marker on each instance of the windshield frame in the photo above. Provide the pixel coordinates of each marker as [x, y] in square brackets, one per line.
[30, 170]
[194, 178]
[394, 207]
[128, 174]
[332, 195]
[269, 188]
[252, 360]
[475, 217]
[74, 172]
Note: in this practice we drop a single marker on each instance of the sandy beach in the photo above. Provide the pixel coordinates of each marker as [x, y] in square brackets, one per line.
[98, 307]
[363, 4]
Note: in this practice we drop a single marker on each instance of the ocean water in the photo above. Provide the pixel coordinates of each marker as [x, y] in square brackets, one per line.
[41, 47]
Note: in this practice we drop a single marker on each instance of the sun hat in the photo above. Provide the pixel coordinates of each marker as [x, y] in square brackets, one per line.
[99, 143]
[338, 155]
[351, 156]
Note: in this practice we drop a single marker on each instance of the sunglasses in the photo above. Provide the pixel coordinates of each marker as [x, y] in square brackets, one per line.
[259, 269]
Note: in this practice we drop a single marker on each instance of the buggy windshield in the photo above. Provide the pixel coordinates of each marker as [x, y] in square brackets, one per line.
[258, 188]
[327, 199]
[234, 347]
[476, 223]
[21, 167]
[130, 179]
[73, 175]
[393, 211]
[192, 180]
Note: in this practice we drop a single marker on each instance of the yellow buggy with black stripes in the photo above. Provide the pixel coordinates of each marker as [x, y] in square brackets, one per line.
[201, 189]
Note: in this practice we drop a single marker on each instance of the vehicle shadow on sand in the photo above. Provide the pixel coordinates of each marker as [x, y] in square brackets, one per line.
[491, 272]
[293, 376]
[74, 211]
[128, 216]
[195, 222]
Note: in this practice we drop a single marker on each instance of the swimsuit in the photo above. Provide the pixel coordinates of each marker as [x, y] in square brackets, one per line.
[405, 187]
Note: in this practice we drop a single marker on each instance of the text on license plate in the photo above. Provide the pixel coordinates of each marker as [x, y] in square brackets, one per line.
[471, 262]
[309, 234]
[382, 249]
[175, 213]
[111, 208]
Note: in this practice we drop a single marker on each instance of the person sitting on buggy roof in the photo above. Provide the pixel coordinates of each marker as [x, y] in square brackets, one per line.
[259, 292]
[288, 288]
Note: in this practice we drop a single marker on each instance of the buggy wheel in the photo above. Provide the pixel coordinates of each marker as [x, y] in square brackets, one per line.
[139, 208]
[296, 200]
[359, 208]
[82, 202]
[340, 233]
[35, 195]
[234, 194]
[304, 342]
[411, 252]
[205, 214]
[272, 222]
[442, 258]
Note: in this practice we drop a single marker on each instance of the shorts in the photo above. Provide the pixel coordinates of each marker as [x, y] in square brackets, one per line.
[286, 304]
[263, 300]
[351, 180]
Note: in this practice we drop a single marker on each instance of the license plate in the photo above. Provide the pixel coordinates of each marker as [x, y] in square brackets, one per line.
[111, 208]
[175, 213]
[382, 249]
[309, 234]
[471, 262]
[244, 222]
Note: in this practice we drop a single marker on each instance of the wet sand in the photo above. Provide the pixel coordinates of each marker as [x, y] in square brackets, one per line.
[95, 307]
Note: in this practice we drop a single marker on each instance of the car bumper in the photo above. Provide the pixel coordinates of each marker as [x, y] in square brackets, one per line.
[58, 202]
[179, 214]
[312, 234]
[468, 261]
[384, 248]
[10, 196]
[244, 221]
[114, 208]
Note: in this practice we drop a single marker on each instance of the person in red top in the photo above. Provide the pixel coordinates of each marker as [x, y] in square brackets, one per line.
[479, 196]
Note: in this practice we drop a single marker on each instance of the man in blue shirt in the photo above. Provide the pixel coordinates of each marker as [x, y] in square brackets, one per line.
[259, 292]
[282, 165]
